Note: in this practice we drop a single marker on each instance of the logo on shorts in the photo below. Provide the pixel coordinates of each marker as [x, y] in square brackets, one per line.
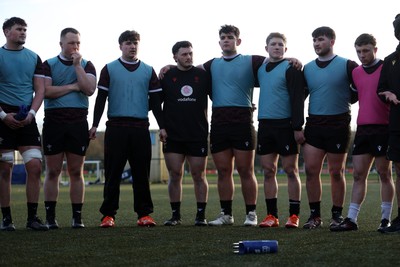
[338, 146]
[379, 148]
[48, 147]
[287, 147]
[186, 90]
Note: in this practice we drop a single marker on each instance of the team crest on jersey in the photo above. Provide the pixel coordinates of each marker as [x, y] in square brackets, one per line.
[186, 90]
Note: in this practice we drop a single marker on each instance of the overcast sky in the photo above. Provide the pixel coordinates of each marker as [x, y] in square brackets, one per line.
[161, 23]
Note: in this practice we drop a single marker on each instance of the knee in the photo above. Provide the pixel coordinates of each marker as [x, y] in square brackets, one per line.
[269, 172]
[75, 174]
[52, 174]
[198, 176]
[34, 167]
[385, 177]
[336, 175]
[175, 175]
[5, 174]
[384, 174]
[291, 172]
[224, 173]
[311, 174]
[357, 176]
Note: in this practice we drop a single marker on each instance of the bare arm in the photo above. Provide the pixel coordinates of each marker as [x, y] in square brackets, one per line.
[390, 97]
[52, 91]
[38, 86]
[86, 82]
[164, 70]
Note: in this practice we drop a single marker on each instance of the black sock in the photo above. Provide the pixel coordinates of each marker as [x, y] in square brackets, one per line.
[250, 208]
[6, 211]
[294, 207]
[32, 210]
[226, 206]
[77, 210]
[176, 209]
[272, 206]
[315, 209]
[50, 207]
[336, 211]
[201, 210]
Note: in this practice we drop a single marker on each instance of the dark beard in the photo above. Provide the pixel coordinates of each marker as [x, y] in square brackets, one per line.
[21, 42]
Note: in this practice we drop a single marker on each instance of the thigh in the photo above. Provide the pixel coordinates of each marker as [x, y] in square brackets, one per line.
[197, 164]
[336, 161]
[174, 161]
[269, 162]
[244, 159]
[362, 164]
[313, 157]
[223, 161]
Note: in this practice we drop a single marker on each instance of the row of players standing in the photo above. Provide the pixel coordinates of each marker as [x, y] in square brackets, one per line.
[232, 133]
[333, 83]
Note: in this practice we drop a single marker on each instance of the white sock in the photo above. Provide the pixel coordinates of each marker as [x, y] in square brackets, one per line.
[354, 210]
[386, 210]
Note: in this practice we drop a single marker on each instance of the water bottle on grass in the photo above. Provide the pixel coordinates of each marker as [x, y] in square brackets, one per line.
[255, 247]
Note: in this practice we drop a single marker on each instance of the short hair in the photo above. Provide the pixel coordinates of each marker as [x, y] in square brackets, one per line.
[8, 23]
[67, 30]
[365, 39]
[230, 29]
[324, 31]
[396, 25]
[276, 35]
[181, 44]
[129, 36]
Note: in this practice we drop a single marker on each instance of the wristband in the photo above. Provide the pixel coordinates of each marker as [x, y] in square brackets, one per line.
[33, 112]
[2, 115]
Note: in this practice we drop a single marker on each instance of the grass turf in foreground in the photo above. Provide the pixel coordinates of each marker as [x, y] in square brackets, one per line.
[186, 245]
